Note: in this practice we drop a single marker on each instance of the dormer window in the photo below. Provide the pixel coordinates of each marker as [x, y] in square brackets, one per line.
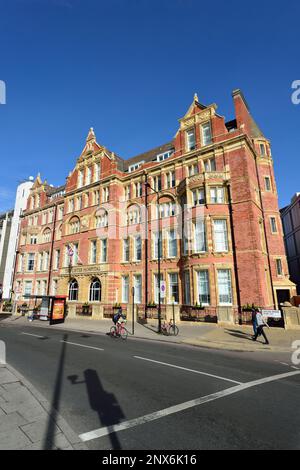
[163, 156]
[206, 134]
[134, 167]
[190, 140]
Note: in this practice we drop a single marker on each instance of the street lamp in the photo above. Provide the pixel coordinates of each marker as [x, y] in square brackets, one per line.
[159, 255]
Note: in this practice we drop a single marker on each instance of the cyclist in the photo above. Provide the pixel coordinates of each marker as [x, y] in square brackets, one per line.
[118, 319]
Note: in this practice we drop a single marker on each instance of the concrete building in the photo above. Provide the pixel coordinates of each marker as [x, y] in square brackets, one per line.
[5, 228]
[209, 194]
[290, 216]
[22, 194]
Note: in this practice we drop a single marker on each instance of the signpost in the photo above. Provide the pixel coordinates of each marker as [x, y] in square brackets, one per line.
[163, 289]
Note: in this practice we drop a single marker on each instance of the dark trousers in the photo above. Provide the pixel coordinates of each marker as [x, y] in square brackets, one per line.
[260, 331]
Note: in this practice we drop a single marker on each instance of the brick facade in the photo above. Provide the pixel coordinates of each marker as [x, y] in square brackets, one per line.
[215, 179]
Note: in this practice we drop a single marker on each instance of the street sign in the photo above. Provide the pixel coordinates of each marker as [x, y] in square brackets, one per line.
[163, 289]
[271, 313]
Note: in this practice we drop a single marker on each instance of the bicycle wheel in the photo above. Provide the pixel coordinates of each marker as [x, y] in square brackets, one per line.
[113, 332]
[123, 333]
[173, 330]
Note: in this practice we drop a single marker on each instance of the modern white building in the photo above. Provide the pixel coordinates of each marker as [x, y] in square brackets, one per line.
[22, 195]
[5, 227]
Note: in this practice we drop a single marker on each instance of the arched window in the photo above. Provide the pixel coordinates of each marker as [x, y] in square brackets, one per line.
[101, 219]
[134, 215]
[73, 290]
[47, 235]
[95, 290]
[74, 225]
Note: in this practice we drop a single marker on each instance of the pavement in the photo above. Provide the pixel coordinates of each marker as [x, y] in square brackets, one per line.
[208, 335]
[27, 420]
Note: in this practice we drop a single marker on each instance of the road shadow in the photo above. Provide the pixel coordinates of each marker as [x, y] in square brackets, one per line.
[239, 334]
[103, 403]
[49, 438]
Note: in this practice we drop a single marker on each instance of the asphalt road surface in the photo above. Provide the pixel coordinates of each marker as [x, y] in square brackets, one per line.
[139, 394]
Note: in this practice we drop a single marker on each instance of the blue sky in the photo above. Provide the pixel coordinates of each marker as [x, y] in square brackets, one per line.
[130, 68]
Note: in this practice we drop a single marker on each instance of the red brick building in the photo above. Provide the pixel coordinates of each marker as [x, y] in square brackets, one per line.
[210, 194]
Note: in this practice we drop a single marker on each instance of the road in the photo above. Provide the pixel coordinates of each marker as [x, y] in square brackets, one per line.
[139, 394]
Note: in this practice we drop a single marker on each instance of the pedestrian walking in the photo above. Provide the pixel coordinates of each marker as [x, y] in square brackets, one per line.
[261, 323]
[254, 322]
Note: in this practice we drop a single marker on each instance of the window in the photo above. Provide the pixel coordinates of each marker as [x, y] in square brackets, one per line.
[273, 225]
[33, 240]
[60, 212]
[170, 179]
[93, 252]
[220, 235]
[47, 236]
[73, 290]
[167, 209]
[138, 248]
[50, 217]
[57, 259]
[157, 287]
[38, 288]
[102, 220]
[54, 286]
[133, 216]
[71, 205]
[187, 288]
[97, 170]
[28, 288]
[74, 250]
[217, 195]
[173, 288]
[104, 250]
[105, 194]
[157, 183]
[267, 183]
[172, 244]
[127, 192]
[199, 236]
[95, 291]
[46, 261]
[157, 247]
[96, 198]
[134, 167]
[190, 140]
[44, 287]
[20, 264]
[262, 149]
[198, 196]
[41, 265]
[44, 218]
[125, 289]
[224, 287]
[210, 165]
[74, 226]
[206, 134]
[137, 288]
[88, 175]
[30, 262]
[203, 287]
[79, 203]
[80, 179]
[126, 249]
[279, 267]
[163, 156]
[138, 189]
[193, 169]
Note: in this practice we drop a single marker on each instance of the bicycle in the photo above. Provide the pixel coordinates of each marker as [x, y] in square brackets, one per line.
[119, 331]
[169, 329]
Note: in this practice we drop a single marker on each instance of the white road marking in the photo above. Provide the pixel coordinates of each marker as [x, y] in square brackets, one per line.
[189, 370]
[294, 367]
[30, 334]
[284, 363]
[82, 345]
[95, 434]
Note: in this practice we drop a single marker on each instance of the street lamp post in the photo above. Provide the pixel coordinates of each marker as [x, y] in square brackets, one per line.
[159, 256]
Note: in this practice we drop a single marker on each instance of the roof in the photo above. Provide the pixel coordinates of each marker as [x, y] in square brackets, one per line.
[148, 156]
